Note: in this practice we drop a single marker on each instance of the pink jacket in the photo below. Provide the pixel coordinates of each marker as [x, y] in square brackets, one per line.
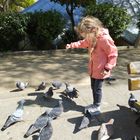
[103, 56]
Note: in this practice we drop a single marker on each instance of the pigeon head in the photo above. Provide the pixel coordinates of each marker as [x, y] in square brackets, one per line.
[50, 88]
[43, 83]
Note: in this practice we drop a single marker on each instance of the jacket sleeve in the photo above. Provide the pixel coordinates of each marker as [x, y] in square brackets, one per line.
[111, 51]
[79, 44]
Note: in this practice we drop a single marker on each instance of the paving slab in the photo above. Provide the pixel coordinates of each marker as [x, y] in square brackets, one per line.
[67, 67]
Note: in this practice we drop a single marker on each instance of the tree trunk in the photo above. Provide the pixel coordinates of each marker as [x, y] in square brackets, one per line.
[137, 42]
[69, 10]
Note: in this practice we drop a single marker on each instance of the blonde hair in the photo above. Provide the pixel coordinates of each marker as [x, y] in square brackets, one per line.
[87, 25]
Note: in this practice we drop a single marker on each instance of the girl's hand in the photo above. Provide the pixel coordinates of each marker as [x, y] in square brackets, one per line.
[104, 72]
[68, 46]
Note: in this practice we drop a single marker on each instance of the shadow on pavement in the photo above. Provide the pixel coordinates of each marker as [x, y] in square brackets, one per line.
[123, 124]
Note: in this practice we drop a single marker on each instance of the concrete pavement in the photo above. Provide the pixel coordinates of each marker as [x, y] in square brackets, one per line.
[67, 67]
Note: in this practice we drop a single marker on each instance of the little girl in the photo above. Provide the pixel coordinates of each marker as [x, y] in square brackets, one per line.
[102, 56]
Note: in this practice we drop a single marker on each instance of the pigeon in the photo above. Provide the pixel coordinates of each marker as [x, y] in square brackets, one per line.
[109, 80]
[46, 132]
[70, 91]
[49, 93]
[42, 86]
[85, 121]
[131, 102]
[15, 116]
[137, 122]
[21, 85]
[57, 110]
[106, 130]
[136, 138]
[56, 84]
[40, 122]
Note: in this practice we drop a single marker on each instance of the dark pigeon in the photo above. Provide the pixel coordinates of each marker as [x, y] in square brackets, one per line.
[70, 91]
[21, 85]
[56, 84]
[14, 117]
[49, 93]
[109, 80]
[39, 123]
[42, 86]
[131, 102]
[46, 132]
[57, 110]
[85, 121]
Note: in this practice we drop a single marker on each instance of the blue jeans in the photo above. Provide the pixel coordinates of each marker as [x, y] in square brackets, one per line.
[96, 86]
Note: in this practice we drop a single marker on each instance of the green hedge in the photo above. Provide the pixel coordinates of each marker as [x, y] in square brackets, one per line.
[43, 27]
[114, 18]
[12, 30]
[40, 27]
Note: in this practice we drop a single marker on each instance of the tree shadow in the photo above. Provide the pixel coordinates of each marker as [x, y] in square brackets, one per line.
[70, 104]
[40, 100]
[124, 124]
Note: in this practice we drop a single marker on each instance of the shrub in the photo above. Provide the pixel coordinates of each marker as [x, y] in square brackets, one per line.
[116, 19]
[12, 30]
[43, 27]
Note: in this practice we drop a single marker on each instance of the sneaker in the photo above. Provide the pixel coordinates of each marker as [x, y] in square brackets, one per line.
[94, 110]
[87, 107]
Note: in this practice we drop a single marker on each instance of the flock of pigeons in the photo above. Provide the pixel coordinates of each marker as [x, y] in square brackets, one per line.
[43, 124]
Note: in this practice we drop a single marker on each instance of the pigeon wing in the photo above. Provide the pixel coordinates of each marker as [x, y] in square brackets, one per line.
[56, 111]
[46, 132]
[39, 123]
[56, 84]
[85, 122]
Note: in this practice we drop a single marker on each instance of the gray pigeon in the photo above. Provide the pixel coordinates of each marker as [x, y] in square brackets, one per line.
[46, 132]
[56, 84]
[49, 93]
[85, 121]
[57, 110]
[70, 91]
[131, 102]
[21, 85]
[42, 86]
[14, 117]
[106, 130]
[39, 123]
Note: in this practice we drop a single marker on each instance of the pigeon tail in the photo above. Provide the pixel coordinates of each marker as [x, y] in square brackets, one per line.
[32, 129]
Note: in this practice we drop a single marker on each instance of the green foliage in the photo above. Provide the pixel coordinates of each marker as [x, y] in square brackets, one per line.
[15, 5]
[44, 27]
[12, 30]
[26, 3]
[114, 18]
